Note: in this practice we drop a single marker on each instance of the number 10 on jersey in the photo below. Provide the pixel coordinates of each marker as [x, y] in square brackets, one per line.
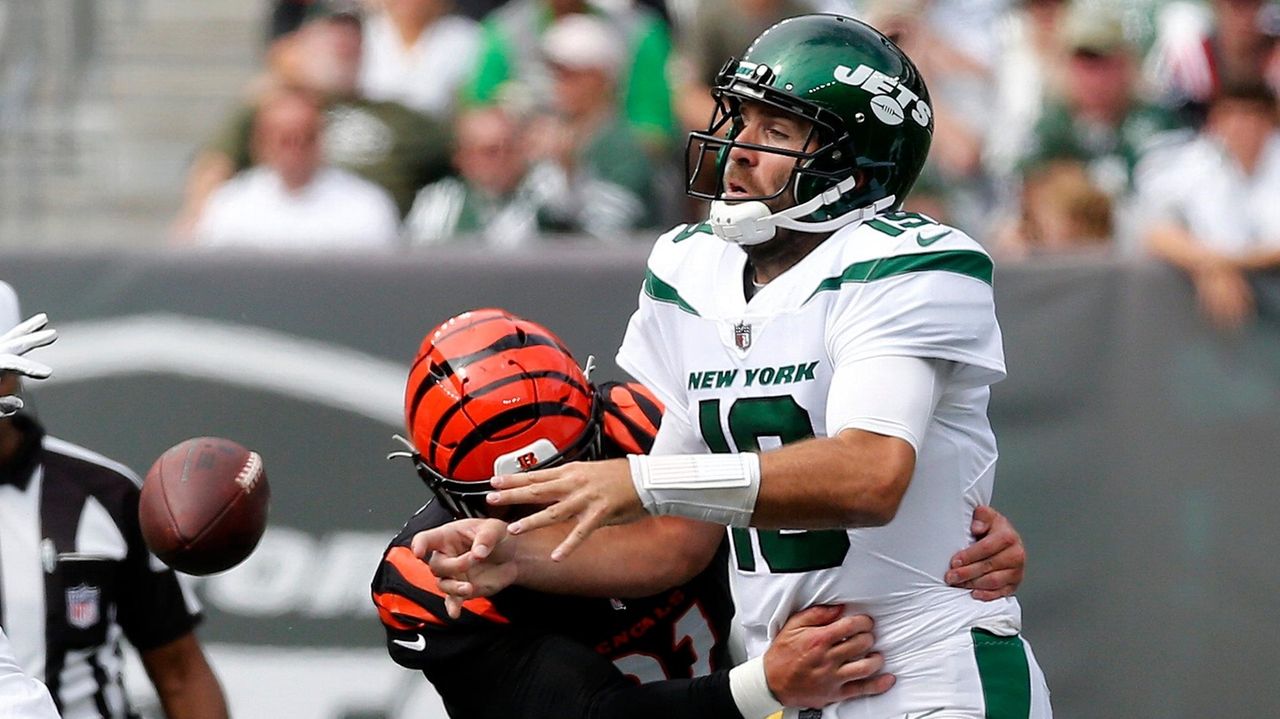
[750, 419]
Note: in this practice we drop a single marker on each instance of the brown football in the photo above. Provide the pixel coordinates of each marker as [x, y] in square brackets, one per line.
[204, 505]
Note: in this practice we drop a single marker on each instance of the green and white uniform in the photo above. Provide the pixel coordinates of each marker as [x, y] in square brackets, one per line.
[751, 375]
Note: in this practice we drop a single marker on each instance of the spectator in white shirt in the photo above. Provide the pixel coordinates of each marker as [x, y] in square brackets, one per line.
[418, 53]
[1210, 206]
[290, 200]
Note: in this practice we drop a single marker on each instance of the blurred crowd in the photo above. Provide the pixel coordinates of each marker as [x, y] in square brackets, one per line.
[1062, 127]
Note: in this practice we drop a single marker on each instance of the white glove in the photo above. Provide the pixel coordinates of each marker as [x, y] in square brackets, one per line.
[17, 342]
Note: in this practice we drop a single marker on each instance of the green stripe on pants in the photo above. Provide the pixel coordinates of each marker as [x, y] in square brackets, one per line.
[1005, 676]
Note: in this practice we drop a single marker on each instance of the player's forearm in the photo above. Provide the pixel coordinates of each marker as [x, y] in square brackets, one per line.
[857, 479]
[633, 560]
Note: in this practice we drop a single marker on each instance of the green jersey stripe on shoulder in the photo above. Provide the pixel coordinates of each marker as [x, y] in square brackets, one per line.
[662, 292]
[690, 230]
[965, 262]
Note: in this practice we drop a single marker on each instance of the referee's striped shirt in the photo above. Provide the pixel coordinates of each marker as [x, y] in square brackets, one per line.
[75, 575]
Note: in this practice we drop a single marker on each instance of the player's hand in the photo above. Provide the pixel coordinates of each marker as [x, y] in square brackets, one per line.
[820, 657]
[13, 345]
[589, 494]
[993, 566]
[468, 558]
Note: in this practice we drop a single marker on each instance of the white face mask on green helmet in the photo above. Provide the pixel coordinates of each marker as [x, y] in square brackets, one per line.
[870, 113]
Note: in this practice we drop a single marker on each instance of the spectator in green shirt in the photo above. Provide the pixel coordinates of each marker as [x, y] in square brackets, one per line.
[591, 164]
[1100, 121]
[512, 68]
[574, 168]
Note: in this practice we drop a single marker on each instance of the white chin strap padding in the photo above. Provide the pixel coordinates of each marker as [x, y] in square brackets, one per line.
[743, 223]
[750, 222]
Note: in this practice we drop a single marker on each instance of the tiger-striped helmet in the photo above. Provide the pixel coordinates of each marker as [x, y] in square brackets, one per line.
[492, 393]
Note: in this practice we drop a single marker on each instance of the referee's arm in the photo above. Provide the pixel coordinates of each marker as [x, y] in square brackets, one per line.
[184, 680]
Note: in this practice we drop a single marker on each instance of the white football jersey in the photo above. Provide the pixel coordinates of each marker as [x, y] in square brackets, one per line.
[754, 375]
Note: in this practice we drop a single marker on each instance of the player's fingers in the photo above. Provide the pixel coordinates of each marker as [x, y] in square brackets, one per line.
[854, 647]
[444, 565]
[868, 687]
[967, 573]
[841, 630]
[518, 495]
[815, 616]
[861, 667]
[25, 343]
[488, 535]
[453, 606]
[583, 529]
[1012, 557]
[524, 479]
[855, 624]
[999, 579]
[541, 493]
[984, 595]
[560, 509]
[438, 540]
[421, 545]
[457, 588]
[985, 548]
[983, 517]
[31, 324]
[24, 366]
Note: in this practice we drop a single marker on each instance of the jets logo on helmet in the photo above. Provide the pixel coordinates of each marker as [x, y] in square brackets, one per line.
[892, 97]
[856, 90]
[491, 393]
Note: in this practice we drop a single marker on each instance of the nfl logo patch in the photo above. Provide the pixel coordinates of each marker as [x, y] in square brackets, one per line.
[742, 335]
[82, 606]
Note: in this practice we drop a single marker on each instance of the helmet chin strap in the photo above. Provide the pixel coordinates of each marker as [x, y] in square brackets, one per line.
[752, 222]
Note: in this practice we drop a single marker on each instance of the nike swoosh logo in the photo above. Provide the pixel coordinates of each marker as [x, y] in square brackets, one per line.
[924, 241]
[416, 646]
[929, 713]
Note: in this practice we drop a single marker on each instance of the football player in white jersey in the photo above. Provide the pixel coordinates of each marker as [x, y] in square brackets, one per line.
[825, 360]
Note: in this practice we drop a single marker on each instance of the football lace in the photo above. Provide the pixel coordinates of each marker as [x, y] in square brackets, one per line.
[250, 472]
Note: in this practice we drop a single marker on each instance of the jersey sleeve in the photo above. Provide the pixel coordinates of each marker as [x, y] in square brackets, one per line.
[411, 608]
[939, 306]
[631, 416]
[644, 354]
[154, 608]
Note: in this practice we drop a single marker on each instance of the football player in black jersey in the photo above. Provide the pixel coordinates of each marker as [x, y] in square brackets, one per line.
[490, 393]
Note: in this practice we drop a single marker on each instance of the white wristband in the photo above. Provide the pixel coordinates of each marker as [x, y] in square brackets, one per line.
[717, 488]
[750, 690]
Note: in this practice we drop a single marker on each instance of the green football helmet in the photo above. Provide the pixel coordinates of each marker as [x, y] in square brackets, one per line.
[871, 127]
